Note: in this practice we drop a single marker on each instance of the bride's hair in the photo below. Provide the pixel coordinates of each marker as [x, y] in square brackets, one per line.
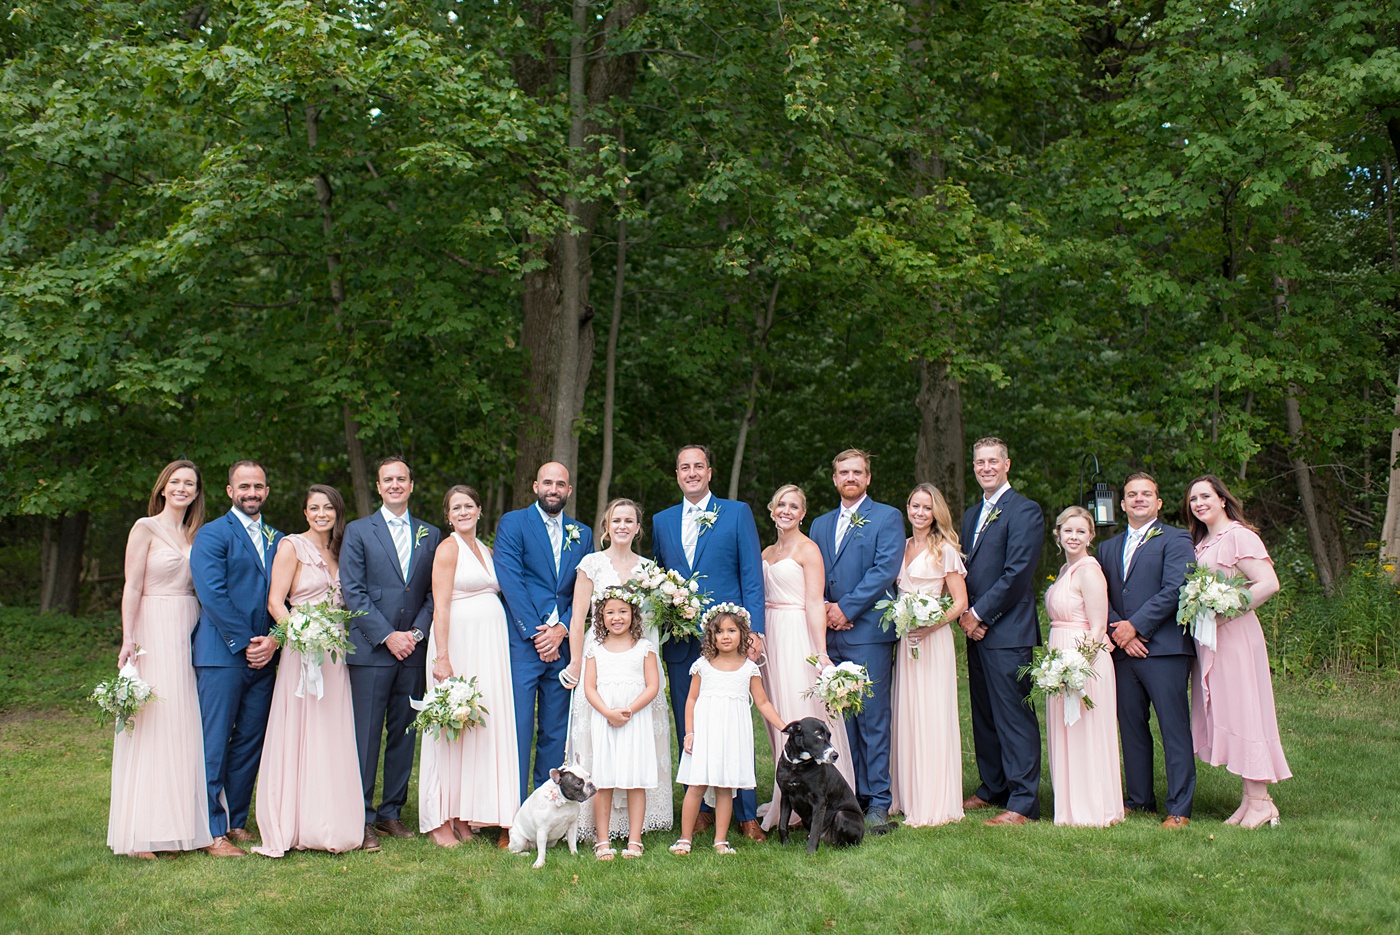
[600, 629]
[604, 540]
[942, 532]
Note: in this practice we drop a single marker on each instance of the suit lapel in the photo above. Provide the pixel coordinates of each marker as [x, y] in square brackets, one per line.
[1128, 572]
[541, 534]
[703, 538]
[1003, 501]
[241, 532]
[672, 532]
[381, 530]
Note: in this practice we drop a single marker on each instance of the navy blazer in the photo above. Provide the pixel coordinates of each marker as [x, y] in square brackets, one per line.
[232, 588]
[727, 554]
[372, 581]
[1148, 598]
[525, 568]
[864, 569]
[1001, 570]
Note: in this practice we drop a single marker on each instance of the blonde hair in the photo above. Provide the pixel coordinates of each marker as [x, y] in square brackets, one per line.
[942, 532]
[1072, 511]
[850, 453]
[787, 488]
[603, 538]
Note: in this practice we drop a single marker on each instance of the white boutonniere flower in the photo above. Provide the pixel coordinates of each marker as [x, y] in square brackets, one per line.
[705, 520]
[570, 535]
[1151, 533]
[857, 521]
[420, 535]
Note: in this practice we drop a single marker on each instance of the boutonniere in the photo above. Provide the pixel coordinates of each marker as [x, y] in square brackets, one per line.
[269, 534]
[570, 535]
[996, 511]
[420, 535]
[705, 520]
[857, 520]
[1154, 531]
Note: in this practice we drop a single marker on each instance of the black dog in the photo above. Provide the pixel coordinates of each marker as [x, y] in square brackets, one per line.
[813, 787]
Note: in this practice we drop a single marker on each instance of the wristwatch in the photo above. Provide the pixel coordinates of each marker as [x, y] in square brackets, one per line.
[417, 635]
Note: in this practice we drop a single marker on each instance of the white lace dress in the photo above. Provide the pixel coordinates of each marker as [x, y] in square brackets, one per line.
[659, 812]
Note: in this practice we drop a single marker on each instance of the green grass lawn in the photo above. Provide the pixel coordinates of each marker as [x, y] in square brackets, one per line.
[1333, 865]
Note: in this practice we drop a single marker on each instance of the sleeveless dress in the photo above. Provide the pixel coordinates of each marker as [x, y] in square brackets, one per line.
[1084, 767]
[659, 813]
[623, 757]
[1233, 723]
[475, 778]
[159, 797]
[722, 754]
[925, 745]
[787, 674]
[309, 795]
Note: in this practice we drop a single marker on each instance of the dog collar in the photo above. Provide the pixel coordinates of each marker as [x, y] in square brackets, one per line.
[554, 795]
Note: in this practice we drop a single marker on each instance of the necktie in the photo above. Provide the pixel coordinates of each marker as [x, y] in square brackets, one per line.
[1130, 547]
[556, 539]
[690, 533]
[843, 526]
[255, 530]
[987, 507]
[399, 529]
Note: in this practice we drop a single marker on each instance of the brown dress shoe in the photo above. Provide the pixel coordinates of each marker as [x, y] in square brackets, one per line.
[1007, 817]
[144, 855]
[1176, 821]
[704, 822]
[239, 836]
[503, 839]
[222, 848]
[973, 802]
[751, 830]
[394, 828]
[371, 841]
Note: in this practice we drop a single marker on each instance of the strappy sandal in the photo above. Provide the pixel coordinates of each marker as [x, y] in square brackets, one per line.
[634, 849]
[681, 847]
[722, 847]
[603, 850]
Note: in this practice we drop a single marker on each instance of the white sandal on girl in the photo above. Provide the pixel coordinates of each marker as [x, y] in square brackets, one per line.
[603, 850]
[681, 847]
[634, 849]
[722, 847]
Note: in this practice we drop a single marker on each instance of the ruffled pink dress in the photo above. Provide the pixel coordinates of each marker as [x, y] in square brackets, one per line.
[926, 780]
[1084, 767]
[309, 795]
[1233, 723]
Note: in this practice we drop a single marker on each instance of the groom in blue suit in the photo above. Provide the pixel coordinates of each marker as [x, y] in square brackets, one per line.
[538, 549]
[231, 651]
[718, 540]
[862, 545]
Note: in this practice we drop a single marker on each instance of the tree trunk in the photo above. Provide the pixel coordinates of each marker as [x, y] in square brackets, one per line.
[61, 562]
[938, 459]
[359, 470]
[1327, 574]
[763, 323]
[1390, 529]
[610, 381]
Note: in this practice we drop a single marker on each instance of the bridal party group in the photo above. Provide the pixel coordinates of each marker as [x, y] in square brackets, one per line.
[571, 670]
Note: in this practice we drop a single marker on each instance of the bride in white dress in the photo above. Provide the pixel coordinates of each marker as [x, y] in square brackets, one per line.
[611, 567]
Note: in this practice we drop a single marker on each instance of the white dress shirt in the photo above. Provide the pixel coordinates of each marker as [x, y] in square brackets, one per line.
[989, 505]
[843, 521]
[554, 526]
[252, 525]
[690, 527]
[1131, 541]
[401, 531]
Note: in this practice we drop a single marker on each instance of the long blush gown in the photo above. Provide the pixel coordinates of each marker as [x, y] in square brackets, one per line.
[1233, 723]
[309, 795]
[159, 798]
[926, 747]
[787, 674]
[475, 778]
[1084, 768]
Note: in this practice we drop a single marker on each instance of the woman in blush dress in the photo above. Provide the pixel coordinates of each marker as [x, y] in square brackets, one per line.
[925, 746]
[159, 798]
[309, 795]
[611, 567]
[794, 611]
[1084, 767]
[1233, 723]
[474, 781]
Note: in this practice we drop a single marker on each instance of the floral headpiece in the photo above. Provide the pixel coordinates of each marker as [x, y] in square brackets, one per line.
[618, 592]
[725, 608]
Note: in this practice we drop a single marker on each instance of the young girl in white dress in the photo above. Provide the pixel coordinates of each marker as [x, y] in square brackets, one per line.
[719, 727]
[620, 679]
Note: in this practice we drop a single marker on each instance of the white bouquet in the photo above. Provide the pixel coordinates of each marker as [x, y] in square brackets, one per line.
[122, 697]
[842, 688]
[315, 630]
[673, 603]
[913, 610]
[1208, 592]
[450, 707]
[1064, 672]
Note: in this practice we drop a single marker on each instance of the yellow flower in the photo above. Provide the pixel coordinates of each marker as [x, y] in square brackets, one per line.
[1049, 577]
[1388, 567]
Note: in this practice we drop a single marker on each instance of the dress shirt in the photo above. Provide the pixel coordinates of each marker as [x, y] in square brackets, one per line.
[843, 522]
[252, 525]
[690, 527]
[401, 530]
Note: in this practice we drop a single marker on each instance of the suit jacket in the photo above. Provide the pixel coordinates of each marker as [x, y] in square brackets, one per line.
[1001, 570]
[532, 590]
[372, 581]
[1148, 597]
[232, 588]
[864, 569]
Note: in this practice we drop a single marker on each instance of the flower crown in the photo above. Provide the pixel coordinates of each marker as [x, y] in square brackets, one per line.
[618, 592]
[725, 608]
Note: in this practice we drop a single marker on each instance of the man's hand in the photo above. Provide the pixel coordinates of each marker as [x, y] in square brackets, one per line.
[259, 651]
[756, 647]
[974, 628]
[1136, 648]
[836, 618]
[548, 639]
[1123, 633]
[400, 643]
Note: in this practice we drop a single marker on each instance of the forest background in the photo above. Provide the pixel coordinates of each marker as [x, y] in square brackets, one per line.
[487, 234]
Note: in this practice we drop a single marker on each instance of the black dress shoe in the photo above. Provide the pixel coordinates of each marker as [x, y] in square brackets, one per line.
[877, 816]
[394, 828]
[371, 841]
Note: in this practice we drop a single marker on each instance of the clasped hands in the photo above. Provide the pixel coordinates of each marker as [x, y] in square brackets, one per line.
[1126, 636]
[974, 628]
[617, 717]
[259, 651]
[548, 639]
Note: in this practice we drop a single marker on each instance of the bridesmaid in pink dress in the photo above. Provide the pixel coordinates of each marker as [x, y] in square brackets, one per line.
[159, 802]
[926, 778]
[793, 575]
[1084, 766]
[473, 781]
[1233, 723]
[309, 795]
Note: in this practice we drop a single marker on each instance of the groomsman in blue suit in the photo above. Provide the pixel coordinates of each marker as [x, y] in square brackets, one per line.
[386, 573]
[231, 651]
[862, 545]
[716, 539]
[537, 551]
[1145, 567]
[1003, 535]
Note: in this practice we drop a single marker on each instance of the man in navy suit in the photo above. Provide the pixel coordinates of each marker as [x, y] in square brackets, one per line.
[716, 539]
[537, 551]
[231, 651]
[386, 573]
[1145, 567]
[862, 545]
[1003, 535]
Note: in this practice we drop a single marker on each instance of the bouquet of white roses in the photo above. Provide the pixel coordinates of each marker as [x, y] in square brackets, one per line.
[1208, 592]
[842, 688]
[450, 707]
[913, 610]
[315, 630]
[1064, 672]
[122, 697]
[673, 603]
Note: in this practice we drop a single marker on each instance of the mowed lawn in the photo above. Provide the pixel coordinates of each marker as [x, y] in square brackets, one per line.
[1333, 865]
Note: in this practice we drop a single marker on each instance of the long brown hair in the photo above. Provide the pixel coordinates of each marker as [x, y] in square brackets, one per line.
[194, 513]
[942, 532]
[1234, 509]
[337, 504]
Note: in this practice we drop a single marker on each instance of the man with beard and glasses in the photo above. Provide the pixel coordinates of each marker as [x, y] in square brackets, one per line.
[538, 549]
